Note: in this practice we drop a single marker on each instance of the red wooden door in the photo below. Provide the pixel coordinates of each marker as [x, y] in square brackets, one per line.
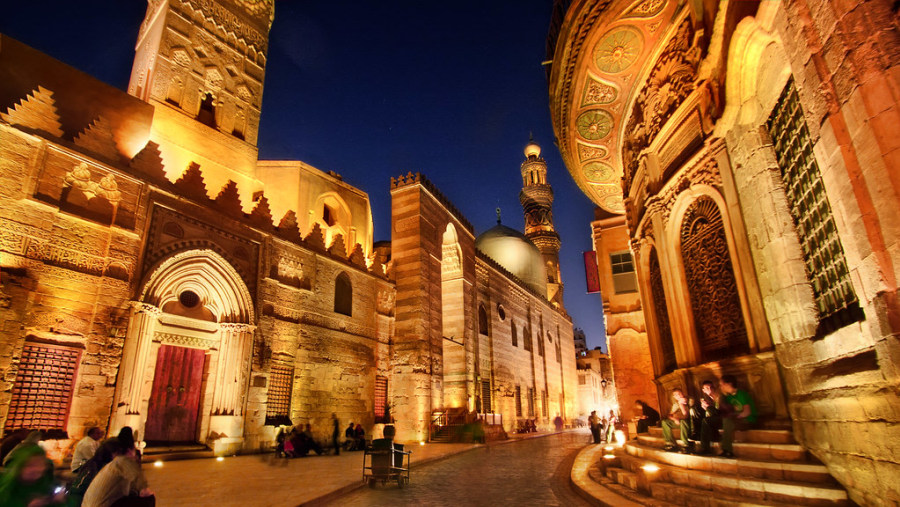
[175, 399]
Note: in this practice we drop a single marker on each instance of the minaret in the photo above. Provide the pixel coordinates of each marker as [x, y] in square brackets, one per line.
[537, 200]
[201, 64]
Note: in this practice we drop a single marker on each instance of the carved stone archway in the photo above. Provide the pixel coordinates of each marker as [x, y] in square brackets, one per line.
[194, 299]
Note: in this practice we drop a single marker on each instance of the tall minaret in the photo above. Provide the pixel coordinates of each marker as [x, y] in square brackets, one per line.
[537, 200]
[201, 64]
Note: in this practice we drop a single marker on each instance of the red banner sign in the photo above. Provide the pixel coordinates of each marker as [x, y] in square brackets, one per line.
[591, 272]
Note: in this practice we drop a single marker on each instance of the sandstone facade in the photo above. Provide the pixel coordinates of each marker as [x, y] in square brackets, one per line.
[756, 146]
[156, 274]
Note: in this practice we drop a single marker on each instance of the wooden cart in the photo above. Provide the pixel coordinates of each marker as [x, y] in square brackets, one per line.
[386, 461]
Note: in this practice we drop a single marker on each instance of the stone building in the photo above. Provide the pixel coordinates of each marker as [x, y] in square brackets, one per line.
[743, 156]
[156, 274]
[596, 389]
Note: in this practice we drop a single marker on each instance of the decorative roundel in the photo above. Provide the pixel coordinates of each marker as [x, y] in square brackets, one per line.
[618, 49]
[593, 125]
[598, 172]
[189, 299]
[613, 203]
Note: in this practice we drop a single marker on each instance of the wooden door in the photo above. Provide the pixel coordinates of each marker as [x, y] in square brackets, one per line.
[175, 399]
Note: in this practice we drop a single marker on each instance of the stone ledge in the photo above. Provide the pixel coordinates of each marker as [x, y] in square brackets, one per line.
[591, 491]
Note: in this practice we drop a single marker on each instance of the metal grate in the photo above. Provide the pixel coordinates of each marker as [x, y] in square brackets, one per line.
[486, 396]
[530, 402]
[805, 191]
[545, 403]
[280, 386]
[518, 401]
[42, 392]
[381, 393]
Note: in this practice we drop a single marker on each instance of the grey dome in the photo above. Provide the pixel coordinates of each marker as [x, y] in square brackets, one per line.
[516, 253]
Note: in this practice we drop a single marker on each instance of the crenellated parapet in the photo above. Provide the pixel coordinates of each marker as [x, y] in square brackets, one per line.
[418, 178]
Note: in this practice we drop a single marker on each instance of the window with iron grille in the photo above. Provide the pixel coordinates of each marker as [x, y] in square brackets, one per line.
[42, 390]
[622, 266]
[823, 253]
[278, 406]
[381, 393]
[545, 403]
[530, 402]
[486, 396]
[518, 401]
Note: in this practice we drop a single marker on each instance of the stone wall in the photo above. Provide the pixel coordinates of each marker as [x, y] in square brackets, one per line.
[842, 386]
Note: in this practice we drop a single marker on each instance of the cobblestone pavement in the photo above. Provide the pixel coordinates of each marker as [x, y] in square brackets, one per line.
[531, 472]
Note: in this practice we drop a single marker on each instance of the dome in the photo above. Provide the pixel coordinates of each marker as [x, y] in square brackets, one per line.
[516, 253]
[532, 149]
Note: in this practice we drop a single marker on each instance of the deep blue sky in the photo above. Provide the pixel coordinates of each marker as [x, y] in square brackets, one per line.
[376, 89]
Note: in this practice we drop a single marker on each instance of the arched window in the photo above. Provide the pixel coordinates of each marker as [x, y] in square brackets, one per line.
[482, 321]
[718, 319]
[207, 113]
[515, 338]
[343, 295]
[526, 339]
[669, 361]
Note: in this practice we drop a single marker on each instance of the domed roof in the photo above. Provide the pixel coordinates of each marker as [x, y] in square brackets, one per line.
[516, 253]
[532, 149]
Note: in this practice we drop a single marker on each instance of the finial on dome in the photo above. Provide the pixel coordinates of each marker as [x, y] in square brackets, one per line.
[532, 148]
[498, 214]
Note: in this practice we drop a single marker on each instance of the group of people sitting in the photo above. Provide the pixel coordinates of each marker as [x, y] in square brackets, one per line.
[527, 426]
[727, 408]
[107, 474]
[354, 438]
[297, 442]
[603, 429]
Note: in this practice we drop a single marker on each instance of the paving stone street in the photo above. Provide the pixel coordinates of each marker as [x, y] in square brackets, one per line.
[530, 472]
[525, 471]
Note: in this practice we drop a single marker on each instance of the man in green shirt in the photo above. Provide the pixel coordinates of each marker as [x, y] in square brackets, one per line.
[732, 408]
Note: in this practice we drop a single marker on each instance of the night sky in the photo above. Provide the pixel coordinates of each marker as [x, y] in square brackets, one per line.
[376, 89]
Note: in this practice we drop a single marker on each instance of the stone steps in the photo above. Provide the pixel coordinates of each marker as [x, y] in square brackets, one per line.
[770, 468]
[760, 469]
[747, 450]
[734, 484]
[760, 436]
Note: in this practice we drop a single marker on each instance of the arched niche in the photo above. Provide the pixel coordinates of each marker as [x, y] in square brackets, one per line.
[333, 215]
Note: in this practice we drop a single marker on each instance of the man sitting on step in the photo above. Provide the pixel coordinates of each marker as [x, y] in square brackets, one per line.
[679, 415]
[737, 411]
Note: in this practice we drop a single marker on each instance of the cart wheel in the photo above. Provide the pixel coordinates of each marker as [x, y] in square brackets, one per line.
[372, 483]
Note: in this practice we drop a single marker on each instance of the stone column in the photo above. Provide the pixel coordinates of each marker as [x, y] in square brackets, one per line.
[132, 371]
[234, 350]
[230, 378]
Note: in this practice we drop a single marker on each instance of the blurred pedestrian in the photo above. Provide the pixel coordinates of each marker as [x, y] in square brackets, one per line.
[34, 438]
[28, 480]
[120, 483]
[335, 434]
[86, 447]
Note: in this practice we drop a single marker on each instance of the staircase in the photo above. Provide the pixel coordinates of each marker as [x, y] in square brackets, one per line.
[770, 469]
[175, 452]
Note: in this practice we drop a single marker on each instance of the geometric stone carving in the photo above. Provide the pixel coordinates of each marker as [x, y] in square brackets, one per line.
[261, 216]
[315, 239]
[288, 228]
[149, 161]
[37, 111]
[98, 139]
[357, 257]
[337, 247]
[229, 202]
[191, 183]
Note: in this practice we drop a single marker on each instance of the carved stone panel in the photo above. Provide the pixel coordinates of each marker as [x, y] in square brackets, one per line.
[718, 319]
[171, 232]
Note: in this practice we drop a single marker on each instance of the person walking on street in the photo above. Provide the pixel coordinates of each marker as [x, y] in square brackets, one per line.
[594, 422]
[335, 434]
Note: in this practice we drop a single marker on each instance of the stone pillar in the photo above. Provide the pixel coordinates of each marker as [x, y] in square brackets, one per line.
[138, 341]
[234, 351]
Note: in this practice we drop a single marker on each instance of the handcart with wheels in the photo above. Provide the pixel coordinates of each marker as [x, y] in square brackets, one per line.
[386, 461]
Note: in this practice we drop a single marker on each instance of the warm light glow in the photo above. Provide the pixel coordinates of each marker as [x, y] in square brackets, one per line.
[220, 458]
[157, 463]
[421, 442]
[608, 448]
[650, 468]
[620, 438]
[609, 456]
